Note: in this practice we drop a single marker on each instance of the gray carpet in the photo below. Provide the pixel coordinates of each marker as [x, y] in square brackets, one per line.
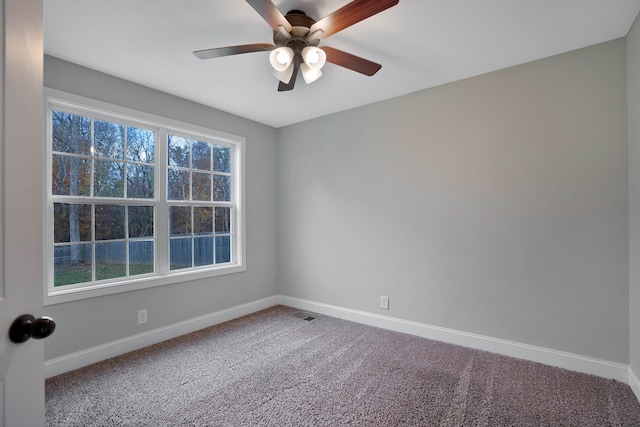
[274, 369]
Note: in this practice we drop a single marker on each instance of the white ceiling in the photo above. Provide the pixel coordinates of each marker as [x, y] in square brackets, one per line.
[420, 44]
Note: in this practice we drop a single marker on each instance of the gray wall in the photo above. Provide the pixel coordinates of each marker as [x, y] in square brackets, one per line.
[495, 205]
[87, 323]
[633, 83]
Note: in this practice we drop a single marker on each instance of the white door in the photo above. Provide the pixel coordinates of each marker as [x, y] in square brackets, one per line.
[21, 209]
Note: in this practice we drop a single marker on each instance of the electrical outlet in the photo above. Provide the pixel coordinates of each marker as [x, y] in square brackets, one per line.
[142, 316]
[384, 302]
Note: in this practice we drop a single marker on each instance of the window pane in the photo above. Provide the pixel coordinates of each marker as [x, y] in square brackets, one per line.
[221, 159]
[108, 139]
[110, 260]
[108, 179]
[178, 183]
[203, 251]
[223, 220]
[72, 264]
[139, 181]
[140, 221]
[71, 176]
[179, 151]
[202, 220]
[221, 188]
[179, 253]
[201, 186]
[71, 133]
[141, 257]
[223, 249]
[180, 220]
[140, 145]
[201, 153]
[71, 222]
[109, 222]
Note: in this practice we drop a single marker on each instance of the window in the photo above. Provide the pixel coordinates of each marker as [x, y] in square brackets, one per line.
[137, 200]
[200, 234]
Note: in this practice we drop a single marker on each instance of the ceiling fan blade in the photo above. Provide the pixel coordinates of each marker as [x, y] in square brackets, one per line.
[282, 87]
[350, 61]
[351, 13]
[271, 14]
[233, 50]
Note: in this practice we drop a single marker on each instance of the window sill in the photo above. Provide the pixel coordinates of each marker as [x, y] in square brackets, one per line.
[59, 296]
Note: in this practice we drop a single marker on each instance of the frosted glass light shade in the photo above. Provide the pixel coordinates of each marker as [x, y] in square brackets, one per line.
[285, 75]
[309, 74]
[314, 57]
[281, 58]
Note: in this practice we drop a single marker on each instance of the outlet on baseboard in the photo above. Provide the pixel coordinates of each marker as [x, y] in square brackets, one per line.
[142, 316]
[384, 302]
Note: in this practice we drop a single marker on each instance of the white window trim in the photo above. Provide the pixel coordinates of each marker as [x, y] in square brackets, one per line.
[132, 283]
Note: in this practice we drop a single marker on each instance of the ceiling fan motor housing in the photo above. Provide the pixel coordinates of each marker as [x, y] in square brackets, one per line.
[300, 24]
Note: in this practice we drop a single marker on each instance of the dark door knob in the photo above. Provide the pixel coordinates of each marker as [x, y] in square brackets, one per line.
[27, 326]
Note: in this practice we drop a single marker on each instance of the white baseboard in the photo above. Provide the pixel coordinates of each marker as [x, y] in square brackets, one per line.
[634, 383]
[574, 362]
[570, 361]
[115, 348]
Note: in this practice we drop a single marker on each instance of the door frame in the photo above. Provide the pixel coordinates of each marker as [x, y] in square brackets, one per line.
[22, 208]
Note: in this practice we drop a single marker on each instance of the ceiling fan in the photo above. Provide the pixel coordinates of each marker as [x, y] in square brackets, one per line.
[296, 39]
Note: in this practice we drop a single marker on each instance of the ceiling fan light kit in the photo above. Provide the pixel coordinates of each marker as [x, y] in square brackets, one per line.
[297, 36]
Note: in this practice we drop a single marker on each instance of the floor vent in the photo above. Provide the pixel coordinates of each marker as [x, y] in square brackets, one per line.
[304, 316]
